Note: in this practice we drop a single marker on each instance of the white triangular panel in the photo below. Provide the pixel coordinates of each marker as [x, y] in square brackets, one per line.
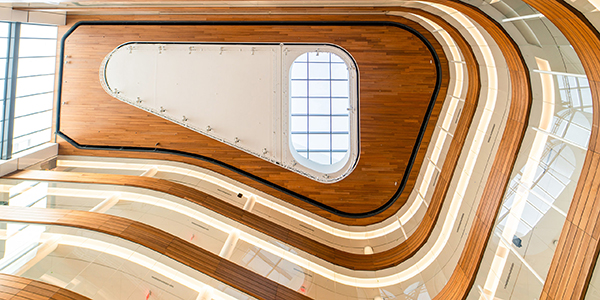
[230, 92]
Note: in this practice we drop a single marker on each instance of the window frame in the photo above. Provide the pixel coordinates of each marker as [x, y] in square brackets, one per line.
[316, 171]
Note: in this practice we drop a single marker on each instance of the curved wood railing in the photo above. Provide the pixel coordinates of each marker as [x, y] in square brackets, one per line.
[461, 280]
[377, 261]
[395, 103]
[21, 288]
[577, 249]
[579, 243]
[171, 246]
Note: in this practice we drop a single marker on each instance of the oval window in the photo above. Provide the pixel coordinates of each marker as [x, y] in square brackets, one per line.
[321, 112]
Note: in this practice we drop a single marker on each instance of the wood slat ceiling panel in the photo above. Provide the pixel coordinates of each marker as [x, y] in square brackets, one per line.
[397, 80]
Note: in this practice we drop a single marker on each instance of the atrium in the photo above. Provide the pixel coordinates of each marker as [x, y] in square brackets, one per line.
[343, 149]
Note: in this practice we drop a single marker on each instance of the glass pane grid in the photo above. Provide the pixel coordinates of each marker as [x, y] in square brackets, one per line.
[572, 122]
[320, 132]
[319, 107]
[35, 80]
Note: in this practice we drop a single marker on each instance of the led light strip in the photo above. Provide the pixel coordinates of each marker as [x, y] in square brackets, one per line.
[354, 235]
[456, 202]
[430, 256]
[137, 258]
[525, 184]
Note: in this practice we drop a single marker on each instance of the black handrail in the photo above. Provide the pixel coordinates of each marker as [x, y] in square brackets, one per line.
[251, 176]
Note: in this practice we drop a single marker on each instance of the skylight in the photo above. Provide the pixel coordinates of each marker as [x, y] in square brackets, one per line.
[319, 107]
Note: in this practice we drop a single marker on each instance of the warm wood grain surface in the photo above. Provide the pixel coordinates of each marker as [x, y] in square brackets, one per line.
[377, 261]
[575, 259]
[159, 241]
[380, 260]
[461, 280]
[396, 83]
[578, 246]
[20, 288]
[579, 243]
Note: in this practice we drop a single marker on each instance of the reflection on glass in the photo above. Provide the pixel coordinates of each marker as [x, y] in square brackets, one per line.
[100, 266]
[92, 263]
[539, 194]
[573, 121]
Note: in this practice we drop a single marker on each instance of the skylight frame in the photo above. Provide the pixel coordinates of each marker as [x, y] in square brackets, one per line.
[335, 171]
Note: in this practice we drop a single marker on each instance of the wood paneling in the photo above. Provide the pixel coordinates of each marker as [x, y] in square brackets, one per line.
[20, 288]
[159, 241]
[380, 260]
[573, 264]
[397, 79]
[461, 280]
[579, 243]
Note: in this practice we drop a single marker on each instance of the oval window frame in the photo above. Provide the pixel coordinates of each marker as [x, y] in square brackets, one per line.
[323, 173]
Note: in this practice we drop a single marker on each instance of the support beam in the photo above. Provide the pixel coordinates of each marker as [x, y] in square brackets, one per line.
[229, 245]
[150, 172]
[106, 204]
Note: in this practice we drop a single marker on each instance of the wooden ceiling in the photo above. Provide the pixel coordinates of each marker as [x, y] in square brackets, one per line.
[397, 82]
[582, 222]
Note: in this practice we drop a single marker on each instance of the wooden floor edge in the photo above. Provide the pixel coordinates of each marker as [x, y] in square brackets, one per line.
[461, 281]
[573, 263]
[306, 204]
[399, 253]
[377, 261]
[576, 39]
[468, 271]
[16, 287]
[160, 241]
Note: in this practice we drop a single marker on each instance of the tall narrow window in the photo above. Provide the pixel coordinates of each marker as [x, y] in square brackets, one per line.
[319, 107]
[35, 86]
[4, 116]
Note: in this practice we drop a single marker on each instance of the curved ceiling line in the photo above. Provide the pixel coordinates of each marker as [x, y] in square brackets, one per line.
[14, 287]
[159, 241]
[521, 96]
[397, 262]
[466, 118]
[594, 103]
[561, 282]
[229, 167]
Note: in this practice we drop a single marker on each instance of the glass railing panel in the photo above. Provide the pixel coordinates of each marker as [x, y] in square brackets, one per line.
[538, 197]
[101, 266]
[264, 255]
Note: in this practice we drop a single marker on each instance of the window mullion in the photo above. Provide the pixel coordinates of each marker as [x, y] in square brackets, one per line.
[10, 89]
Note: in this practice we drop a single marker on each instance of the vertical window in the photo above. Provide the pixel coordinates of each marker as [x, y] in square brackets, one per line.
[319, 107]
[4, 54]
[35, 86]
